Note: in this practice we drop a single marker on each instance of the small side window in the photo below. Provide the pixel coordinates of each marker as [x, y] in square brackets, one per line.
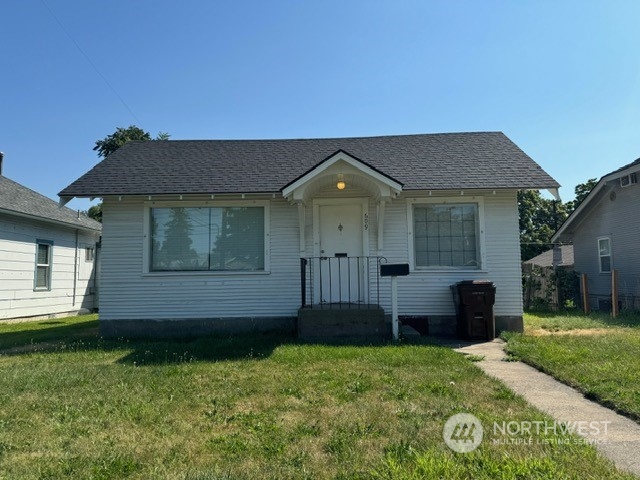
[89, 254]
[44, 250]
[604, 254]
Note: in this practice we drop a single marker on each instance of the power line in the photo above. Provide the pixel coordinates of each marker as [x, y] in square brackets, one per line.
[104, 79]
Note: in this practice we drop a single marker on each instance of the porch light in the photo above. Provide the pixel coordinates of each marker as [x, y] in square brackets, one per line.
[341, 184]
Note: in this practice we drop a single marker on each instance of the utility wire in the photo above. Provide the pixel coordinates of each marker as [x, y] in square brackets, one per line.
[93, 65]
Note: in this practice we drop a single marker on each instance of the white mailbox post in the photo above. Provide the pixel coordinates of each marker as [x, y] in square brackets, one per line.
[394, 270]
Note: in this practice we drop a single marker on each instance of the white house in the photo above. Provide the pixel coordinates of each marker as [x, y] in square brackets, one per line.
[206, 236]
[47, 256]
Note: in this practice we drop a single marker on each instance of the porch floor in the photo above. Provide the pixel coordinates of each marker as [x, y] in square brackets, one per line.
[342, 306]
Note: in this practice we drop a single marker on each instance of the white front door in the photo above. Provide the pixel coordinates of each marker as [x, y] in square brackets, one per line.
[341, 267]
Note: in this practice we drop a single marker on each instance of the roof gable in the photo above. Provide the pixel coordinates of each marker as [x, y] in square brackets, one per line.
[565, 232]
[338, 164]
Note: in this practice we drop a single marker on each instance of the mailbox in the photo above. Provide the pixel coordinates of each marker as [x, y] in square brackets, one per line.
[394, 269]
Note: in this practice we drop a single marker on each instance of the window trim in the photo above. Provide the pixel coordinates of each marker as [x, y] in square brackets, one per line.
[89, 249]
[450, 201]
[47, 288]
[146, 237]
[599, 239]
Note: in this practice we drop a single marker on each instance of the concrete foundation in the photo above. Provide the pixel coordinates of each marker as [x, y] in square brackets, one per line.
[189, 328]
[509, 324]
[444, 326]
[346, 321]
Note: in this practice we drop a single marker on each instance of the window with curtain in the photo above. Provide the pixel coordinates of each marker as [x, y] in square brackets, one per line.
[207, 239]
[43, 265]
[604, 253]
[446, 235]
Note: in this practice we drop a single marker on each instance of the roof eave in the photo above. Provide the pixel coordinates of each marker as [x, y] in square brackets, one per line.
[75, 226]
[635, 167]
[64, 200]
[563, 234]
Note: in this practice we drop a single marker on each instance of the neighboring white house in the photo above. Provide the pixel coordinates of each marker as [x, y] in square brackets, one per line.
[203, 236]
[47, 256]
[605, 233]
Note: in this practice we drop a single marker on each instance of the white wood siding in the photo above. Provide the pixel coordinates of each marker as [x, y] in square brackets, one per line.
[127, 293]
[426, 292]
[17, 269]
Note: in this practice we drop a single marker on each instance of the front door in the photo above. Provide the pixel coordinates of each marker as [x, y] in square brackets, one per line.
[341, 265]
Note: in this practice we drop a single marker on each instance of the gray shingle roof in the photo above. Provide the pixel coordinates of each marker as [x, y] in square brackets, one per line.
[18, 199]
[628, 165]
[430, 161]
[545, 259]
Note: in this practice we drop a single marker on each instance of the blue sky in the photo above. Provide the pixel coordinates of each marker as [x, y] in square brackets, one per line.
[560, 78]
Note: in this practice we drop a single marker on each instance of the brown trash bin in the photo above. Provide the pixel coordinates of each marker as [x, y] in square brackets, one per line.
[474, 301]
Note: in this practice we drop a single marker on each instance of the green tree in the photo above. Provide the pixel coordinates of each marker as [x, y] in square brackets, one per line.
[581, 191]
[539, 219]
[113, 142]
[95, 212]
[176, 252]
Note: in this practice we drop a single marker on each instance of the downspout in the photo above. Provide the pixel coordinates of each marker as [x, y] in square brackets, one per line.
[75, 271]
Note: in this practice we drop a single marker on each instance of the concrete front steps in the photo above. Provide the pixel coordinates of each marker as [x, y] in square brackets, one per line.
[343, 321]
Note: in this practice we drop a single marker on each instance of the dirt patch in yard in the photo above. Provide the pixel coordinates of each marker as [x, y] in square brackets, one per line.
[541, 332]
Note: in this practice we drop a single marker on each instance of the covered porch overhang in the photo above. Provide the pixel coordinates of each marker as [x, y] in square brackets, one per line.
[342, 167]
[341, 171]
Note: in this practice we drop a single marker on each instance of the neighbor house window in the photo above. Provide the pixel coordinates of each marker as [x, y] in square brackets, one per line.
[44, 249]
[604, 253]
[208, 239]
[446, 235]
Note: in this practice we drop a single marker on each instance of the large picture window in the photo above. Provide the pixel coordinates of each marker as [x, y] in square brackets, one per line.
[208, 239]
[446, 235]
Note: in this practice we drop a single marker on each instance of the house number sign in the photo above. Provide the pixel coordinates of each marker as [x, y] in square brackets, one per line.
[366, 221]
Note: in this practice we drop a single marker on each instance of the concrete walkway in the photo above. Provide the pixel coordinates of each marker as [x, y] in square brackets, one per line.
[620, 442]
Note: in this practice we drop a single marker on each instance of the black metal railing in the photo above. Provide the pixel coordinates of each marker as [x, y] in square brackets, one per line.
[340, 280]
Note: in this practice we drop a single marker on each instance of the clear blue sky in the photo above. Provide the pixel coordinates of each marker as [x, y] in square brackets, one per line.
[560, 78]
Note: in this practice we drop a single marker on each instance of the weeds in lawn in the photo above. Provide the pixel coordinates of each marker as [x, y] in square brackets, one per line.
[561, 321]
[475, 358]
[512, 358]
[254, 407]
[600, 357]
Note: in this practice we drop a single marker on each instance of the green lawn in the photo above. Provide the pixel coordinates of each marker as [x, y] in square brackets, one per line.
[25, 336]
[256, 407]
[598, 355]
